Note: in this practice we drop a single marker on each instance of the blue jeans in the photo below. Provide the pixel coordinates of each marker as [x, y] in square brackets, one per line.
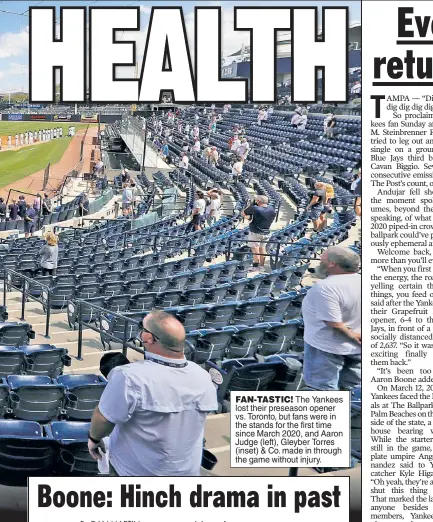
[329, 371]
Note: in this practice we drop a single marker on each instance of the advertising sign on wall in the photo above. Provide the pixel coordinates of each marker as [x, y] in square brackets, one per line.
[61, 117]
[38, 117]
[15, 117]
[89, 118]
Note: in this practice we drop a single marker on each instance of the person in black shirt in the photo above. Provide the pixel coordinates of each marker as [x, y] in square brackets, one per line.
[13, 210]
[316, 205]
[22, 207]
[46, 205]
[83, 206]
[2, 209]
[262, 217]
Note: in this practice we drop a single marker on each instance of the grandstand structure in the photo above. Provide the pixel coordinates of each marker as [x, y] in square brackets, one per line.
[113, 270]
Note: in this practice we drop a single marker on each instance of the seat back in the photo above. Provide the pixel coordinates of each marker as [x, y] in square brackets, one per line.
[40, 403]
[45, 359]
[72, 439]
[211, 345]
[15, 334]
[87, 390]
[245, 341]
[24, 452]
[11, 361]
[279, 337]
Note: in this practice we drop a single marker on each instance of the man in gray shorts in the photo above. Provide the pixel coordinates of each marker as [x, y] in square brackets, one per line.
[262, 217]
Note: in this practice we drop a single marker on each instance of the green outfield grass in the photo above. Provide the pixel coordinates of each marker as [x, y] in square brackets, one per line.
[13, 127]
[17, 164]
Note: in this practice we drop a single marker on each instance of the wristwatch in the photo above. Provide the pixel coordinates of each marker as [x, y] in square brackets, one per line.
[95, 441]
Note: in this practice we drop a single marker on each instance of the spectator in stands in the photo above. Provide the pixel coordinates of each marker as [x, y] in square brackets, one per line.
[13, 210]
[262, 216]
[330, 123]
[184, 163]
[155, 409]
[83, 207]
[165, 151]
[2, 209]
[127, 199]
[356, 188]
[46, 205]
[22, 207]
[316, 205]
[125, 176]
[235, 143]
[214, 157]
[99, 167]
[198, 211]
[332, 323]
[270, 112]
[327, 209]
[260, 116]
[30, 219]
[303, 121]
[185, 145]
[37, 203]
[237, 167]
[213, 210]
[137, 191]
[297, 117]
[49, 254]
[196, 148]
[243, 149]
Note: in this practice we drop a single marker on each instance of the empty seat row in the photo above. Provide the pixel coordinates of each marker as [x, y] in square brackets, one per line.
[257, 310]
[37, 359]
[41, 398]
[28, 449]
[240, 341]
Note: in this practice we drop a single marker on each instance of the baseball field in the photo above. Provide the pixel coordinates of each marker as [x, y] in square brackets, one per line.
[26, 160]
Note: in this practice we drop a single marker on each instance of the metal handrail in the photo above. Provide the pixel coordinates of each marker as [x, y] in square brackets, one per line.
[25, 295]
[92, 326]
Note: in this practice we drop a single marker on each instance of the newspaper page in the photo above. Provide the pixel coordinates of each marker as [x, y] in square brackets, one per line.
[181, 185]
[397, 272]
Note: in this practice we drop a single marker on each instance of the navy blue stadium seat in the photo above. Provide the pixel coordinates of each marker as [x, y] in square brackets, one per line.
[11, 361]
[86, 391]
[74, 457]
[25, 452]
[35, 398]
[15, 334]
[45, 360]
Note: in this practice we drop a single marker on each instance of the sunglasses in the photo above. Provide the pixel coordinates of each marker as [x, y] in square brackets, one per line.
[145, 330]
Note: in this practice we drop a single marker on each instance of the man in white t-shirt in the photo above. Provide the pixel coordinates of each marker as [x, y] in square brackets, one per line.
[243, 148]
[237, 169]
[213, 157]
[214, 207]
[196, 148]
[260, 117]
[198, 210]
[184, 163]
[236, 143]
[332, 324]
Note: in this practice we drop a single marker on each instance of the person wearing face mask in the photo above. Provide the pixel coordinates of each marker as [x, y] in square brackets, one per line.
[154, 410]
[332, 323]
